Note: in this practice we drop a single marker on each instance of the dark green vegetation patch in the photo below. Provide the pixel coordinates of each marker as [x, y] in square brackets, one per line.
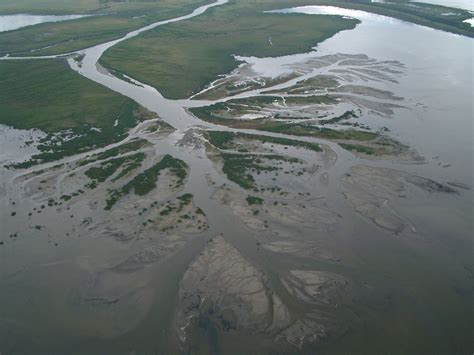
[254, 200]
[130, 146]
[145, 182]
[358, 148]
[182, 201]
[78, 114]
[345, 116]
[108, 168]
[238, 167]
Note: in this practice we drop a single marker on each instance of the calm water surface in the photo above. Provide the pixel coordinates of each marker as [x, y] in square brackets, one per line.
[461, 4]
[14, 22]
[437, 83]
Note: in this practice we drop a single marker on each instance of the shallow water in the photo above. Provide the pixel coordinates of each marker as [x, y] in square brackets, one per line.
[12, 143]
[434, 83]
[14, 22]
[461, 4]
[438, 79]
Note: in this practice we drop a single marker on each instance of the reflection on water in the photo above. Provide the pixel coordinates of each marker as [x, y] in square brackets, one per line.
[333, 10]
[13, 22]
[438, 80]
[461, 4]
[470, 21]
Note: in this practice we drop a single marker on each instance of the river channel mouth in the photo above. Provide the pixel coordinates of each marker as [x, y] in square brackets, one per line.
[309, 194]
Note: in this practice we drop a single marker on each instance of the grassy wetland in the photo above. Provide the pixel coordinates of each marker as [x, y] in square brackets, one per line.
[48, 95]
[107, 21]
[113, 19]
[180, 59]
[304, 200]
[76, 114]
[186, 63]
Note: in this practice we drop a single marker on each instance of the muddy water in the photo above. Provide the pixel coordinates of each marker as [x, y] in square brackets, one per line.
[43, 273]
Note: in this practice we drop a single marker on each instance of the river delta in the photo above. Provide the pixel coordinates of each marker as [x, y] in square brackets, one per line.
[312, 202]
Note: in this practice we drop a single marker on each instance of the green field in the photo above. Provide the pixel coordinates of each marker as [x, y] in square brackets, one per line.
[180, 59]
[67, 36]
[119, 17]
[77, 113]
[113, 20]
[48, 95]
